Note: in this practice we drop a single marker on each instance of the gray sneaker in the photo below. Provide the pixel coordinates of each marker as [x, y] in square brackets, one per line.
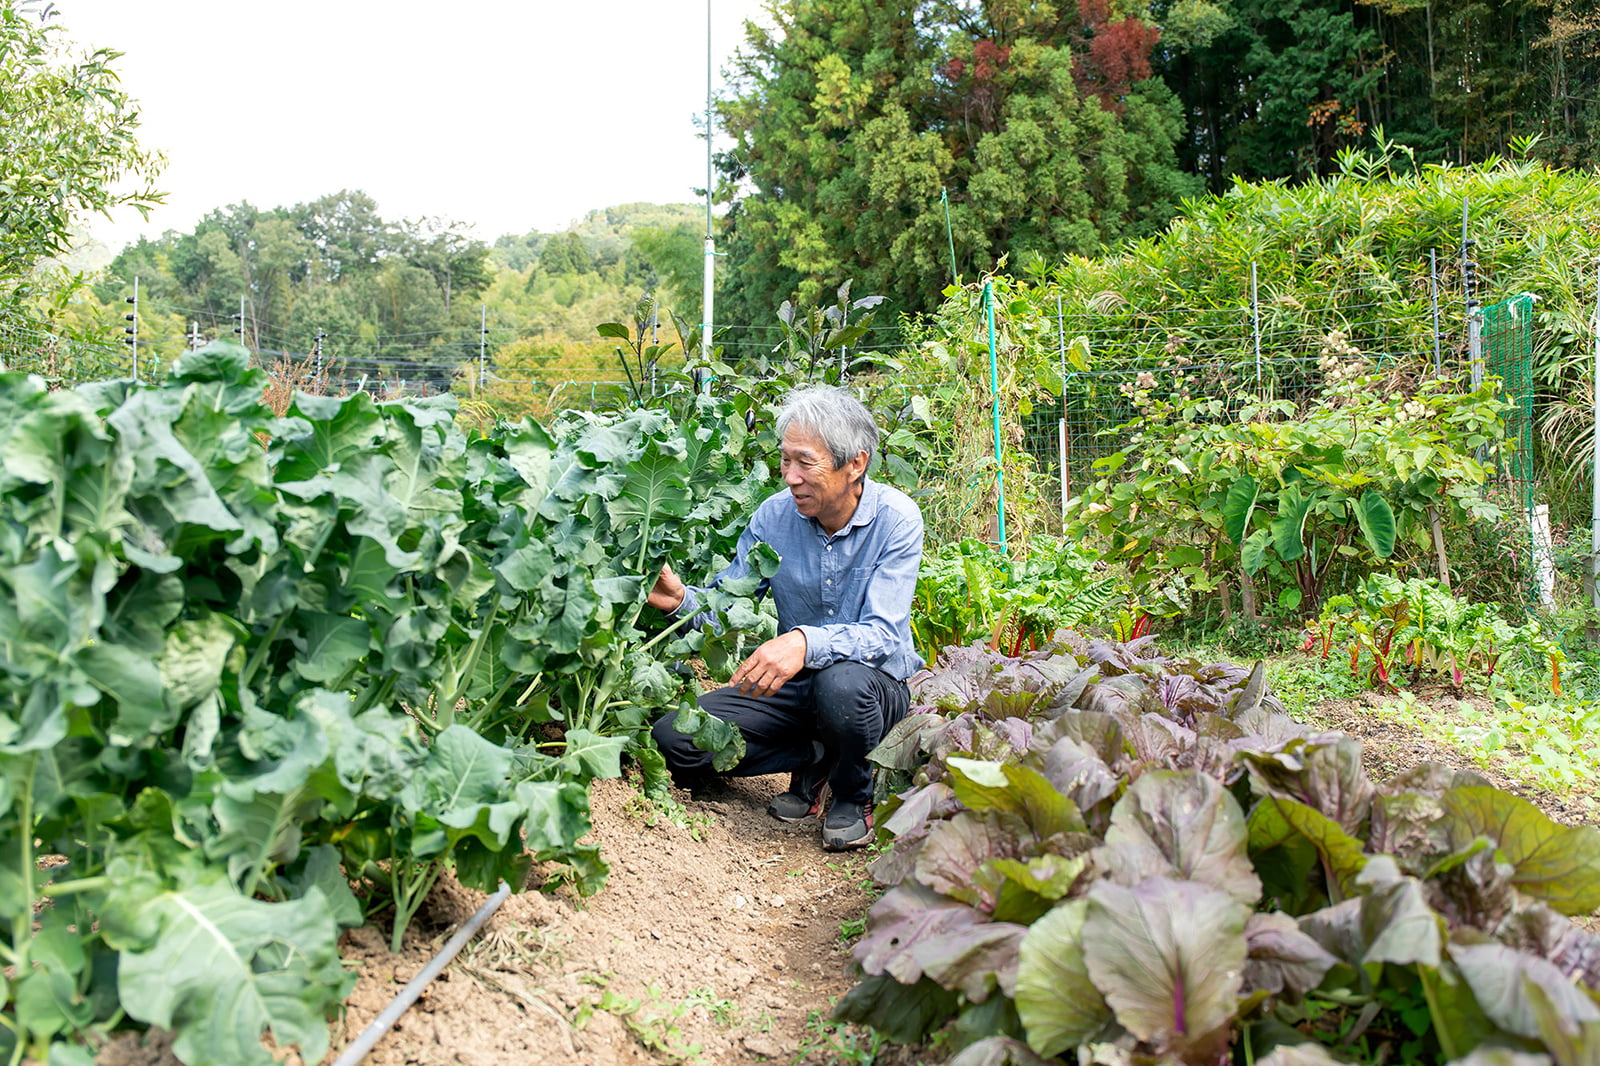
[846, 826]
[794, 806]
[803, 798]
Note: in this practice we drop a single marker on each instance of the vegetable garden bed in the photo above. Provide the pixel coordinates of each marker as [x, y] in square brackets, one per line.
[255, 662]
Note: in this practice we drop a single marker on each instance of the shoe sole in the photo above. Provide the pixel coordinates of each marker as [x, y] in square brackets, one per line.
[836, 840]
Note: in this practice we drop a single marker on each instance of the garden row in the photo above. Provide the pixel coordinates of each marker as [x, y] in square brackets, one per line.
[1099, 854]
[251, 660]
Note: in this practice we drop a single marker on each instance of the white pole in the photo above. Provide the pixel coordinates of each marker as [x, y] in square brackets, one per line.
[709, 279]
[1594, 514]
[1061, 430]
[1061, 444]
[1255, 318]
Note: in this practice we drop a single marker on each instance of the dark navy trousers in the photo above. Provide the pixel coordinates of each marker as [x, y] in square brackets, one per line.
[820, 723]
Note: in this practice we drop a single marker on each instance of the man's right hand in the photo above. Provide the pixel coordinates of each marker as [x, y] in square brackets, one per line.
[667, 595]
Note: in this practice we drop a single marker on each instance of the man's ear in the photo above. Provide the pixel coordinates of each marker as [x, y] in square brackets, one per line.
[858, 466]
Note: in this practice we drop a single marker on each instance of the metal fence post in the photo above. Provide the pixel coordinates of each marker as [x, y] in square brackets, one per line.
[1594, 470]
[1433, 295]
[1061, 429]
[1255, 318]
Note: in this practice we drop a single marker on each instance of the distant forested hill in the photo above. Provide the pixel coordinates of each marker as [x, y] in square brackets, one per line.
[390, 300]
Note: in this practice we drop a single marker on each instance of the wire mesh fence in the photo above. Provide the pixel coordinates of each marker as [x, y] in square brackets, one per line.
[1275, 343]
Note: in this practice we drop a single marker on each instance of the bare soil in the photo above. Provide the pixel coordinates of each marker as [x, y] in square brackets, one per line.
[720, 939]
[715, 940]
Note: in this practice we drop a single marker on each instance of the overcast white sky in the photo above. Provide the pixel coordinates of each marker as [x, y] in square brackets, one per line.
[506, 115]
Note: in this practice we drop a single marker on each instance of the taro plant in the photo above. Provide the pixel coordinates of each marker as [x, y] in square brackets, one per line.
[1203, 499]
[1114, 856]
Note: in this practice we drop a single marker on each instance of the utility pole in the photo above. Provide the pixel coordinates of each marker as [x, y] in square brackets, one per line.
[483, 346]
[195, 339]
[131, 332]
[1594, 470]
[709, 279]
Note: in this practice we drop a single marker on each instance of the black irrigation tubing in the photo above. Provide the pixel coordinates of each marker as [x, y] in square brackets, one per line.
[363, 1044]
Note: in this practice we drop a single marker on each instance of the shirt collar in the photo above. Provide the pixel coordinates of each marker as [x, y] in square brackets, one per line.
[866, 507]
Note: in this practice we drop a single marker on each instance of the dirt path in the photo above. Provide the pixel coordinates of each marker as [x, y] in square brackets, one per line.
[717, 941]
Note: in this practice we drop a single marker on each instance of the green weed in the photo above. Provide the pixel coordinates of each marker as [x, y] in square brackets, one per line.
[843, 1045]
[649, 1020]
[1548, 745]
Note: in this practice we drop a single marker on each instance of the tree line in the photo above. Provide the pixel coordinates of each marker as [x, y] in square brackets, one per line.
[905, 146]
[909, 144]
[389, 299]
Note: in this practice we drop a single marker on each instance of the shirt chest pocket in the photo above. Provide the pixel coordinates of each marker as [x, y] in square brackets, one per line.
[852, 592]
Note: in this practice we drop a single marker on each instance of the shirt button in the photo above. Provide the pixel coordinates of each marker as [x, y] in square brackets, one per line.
[830, 612]
[828, 582]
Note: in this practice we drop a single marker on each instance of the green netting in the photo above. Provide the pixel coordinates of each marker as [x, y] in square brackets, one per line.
[1508, 355]
[1507, 347]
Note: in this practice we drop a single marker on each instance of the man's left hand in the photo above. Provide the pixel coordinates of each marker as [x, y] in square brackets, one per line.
[770, 665]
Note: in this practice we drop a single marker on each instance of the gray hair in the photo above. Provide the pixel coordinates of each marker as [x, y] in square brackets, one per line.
[843, 422]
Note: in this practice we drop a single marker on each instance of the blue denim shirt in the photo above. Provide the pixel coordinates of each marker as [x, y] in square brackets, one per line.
[849, 593]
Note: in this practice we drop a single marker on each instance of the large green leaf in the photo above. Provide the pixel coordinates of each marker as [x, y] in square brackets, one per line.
[904, 1013]
[1059, 1004]
[590, 755]
[1254, 552]
[1289, 527]
[1017, 789]
[323, 431]
[329, 645]
[1557, 864]
[1275, 822]
[1376, 519]
[1238, 507]
[133, 681]
[193, 657]
[465, 784]
[221, 969]
[713, 734]
[1169, 958]
[655, 491]
[555, 814]
[168, 480]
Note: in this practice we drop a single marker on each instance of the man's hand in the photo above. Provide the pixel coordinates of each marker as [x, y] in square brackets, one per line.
[770, 665]
[667, 595]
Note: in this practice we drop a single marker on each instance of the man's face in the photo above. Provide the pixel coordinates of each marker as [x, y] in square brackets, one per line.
[819, 490]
